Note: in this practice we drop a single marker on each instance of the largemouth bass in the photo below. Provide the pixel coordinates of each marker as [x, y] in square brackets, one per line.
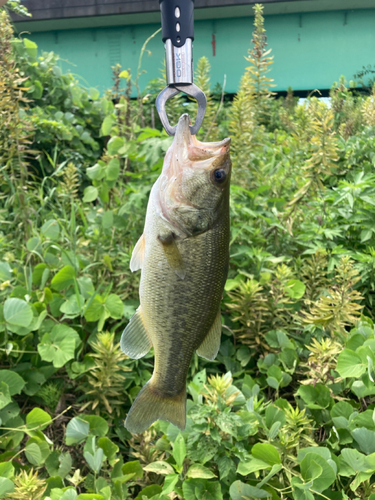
[183, 254]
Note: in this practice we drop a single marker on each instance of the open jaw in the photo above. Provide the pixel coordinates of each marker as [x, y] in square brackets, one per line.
[193, 149]
[187, 151]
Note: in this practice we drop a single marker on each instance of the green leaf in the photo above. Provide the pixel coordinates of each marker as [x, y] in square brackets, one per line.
[110, 449]
[14, 381]
[278, 339]
[90, 194]
[241, 491]
[76, 431]
[254, 465]
[97, 172]
[295, 289]
[107, 124]
[17, 312]
[98, 426]
[199, 471]
[327, 476]
[73, 306]
[300, 489]
[90, 496]
[59, 464]
[341, 413]
[107, 219]
[6, 469]
[64, 278]
[159, 468]
[51, 229]
[354, 459]
[10, 411]
[267, 453]
[5, 398]
[201, 489]
[37, 90]
[113, 169]
[86, 286]
[310, 469]
[59, 345]
[365, 439]
[114, 306]
[179, 450]
[5, 272]
[31, 48]
[149, 492]
[170, 482]
[95, 310]
[349, 364]
[67, 494]
[6, 486]
[33, 244]
[275, 469]
[133, 468]
[114, 144]
[38, 273]
[38, 418]
[362, 389]
[316, 397]
[94, 93]
[319, 450]
[274, 415]
[33, 454]
[94, 461]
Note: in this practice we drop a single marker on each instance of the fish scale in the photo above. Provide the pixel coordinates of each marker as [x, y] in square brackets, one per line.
[183, 256]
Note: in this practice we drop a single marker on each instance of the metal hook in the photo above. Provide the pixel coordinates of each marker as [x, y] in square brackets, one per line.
[172, 90]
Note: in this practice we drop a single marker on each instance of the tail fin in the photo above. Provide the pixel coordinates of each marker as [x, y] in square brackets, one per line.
[151, 405]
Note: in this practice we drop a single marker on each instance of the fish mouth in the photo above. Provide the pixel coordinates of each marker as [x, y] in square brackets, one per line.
[192, 148]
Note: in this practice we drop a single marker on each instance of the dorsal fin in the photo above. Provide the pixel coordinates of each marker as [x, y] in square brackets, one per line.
[136, 262]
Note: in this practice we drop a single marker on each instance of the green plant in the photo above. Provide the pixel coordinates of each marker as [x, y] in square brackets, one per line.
[324, 152]
[339, 308]
[15, 133]
[250, 106]
[28, 486]
[104, 386]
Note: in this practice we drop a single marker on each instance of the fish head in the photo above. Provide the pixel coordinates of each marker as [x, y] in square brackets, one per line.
[195, 181]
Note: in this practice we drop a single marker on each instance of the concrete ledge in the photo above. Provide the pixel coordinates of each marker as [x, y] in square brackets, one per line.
[105, 13]
[58, 9]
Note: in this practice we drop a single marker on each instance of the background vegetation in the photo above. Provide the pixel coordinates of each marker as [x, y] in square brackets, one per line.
[287, 409]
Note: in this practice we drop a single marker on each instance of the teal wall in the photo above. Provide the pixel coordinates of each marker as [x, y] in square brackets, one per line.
[311, 50]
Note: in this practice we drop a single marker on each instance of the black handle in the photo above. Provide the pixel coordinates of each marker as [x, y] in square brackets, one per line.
[169, 20]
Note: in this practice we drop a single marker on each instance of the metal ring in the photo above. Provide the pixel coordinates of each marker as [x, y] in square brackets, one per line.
[172, 90]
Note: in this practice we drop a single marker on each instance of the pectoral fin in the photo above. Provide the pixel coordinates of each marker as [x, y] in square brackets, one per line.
[172, 253]
[135, 341]
[136, 262]
[211, 344]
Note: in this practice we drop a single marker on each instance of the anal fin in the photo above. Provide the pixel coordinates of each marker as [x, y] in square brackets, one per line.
[172, 253]
[135, 341]
[136, 262]
[211, 344]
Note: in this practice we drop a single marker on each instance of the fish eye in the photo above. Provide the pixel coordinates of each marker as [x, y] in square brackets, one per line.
[219, 175]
